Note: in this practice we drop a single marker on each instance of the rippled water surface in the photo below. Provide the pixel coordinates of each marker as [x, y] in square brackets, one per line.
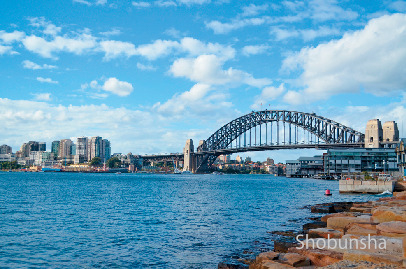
[147, 221]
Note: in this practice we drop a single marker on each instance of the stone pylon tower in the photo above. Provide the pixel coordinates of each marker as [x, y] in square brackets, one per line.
[373, 133]
[189, 163]
[390, 131]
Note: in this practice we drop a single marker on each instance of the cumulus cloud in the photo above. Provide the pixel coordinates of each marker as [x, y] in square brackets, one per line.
[267, 95]
[208, 69]
[76, 45]
[145, 67]
[114, 49]
[255, 49]
[111, 85]
[224, 28]
[47, 80]
[305, 34]
[120, 88]
[371, 59]
[6, 49]
[42, 96]
[9, 38]
[33, 66]
[253, 10]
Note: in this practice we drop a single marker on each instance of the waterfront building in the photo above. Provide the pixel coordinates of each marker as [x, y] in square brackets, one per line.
[26, 148]
[40, 158]
[224, 158]
[346, 161]
[81, 155]
[270, 161]
[106, 149]
[55, 147]
[292, 168]
[310, 166]
[5, 149]
[8, 157]
[401, 157]
[238, 159]
[247, 159]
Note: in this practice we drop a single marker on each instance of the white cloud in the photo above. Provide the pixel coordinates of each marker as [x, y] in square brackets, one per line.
[31, 65]
[267, 95]
[9, 38]
[157, 49]
[114, 49]
[165, 3]
[305, 34]
[145, 67]
[323, 10]
[83, 2]
[42, 96]
[112, 32]
[46, 80]
[120, 88]
[399, 6]
[101, 2]
[76, 45]
[141, 4]
[255, 49]
[224, 28]
[253, 10]
[48, 27]
[6, 49]
[207, 69]
[372, 59]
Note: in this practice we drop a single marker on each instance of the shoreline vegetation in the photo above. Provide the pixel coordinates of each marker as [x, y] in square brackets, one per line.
[383, 220]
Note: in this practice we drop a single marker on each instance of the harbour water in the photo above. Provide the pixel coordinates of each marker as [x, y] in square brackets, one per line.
[74, 220]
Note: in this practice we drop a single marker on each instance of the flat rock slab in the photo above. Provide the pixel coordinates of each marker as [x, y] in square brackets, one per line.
[294, 259]
[340, 223]
[374, 258]
[387, 214]
[324, 233]
[361, 229]
[398, 227]
[267, 256]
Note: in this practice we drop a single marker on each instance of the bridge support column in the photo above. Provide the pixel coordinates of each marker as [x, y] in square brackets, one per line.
[188, 157]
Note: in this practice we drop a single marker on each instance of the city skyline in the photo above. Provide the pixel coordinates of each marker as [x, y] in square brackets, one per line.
[91, 68]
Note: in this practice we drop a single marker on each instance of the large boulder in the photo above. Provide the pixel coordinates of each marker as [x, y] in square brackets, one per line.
[267, 256]
[386, 214]
[320, 257]
[392, 228]
[294, 259]
[342, 214]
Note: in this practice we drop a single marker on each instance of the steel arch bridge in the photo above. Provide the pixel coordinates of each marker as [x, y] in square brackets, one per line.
[262, 130]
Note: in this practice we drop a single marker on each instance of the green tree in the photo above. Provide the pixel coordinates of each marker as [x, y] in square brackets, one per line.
[113, 162]
[96, 161]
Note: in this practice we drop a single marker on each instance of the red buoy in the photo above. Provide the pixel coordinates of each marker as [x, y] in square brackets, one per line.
[328, 193]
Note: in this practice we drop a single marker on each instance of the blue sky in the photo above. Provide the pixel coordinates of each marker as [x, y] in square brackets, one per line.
[150, 74]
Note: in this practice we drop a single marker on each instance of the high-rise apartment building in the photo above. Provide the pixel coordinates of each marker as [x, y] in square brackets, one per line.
[98, 147]
[65, 148]
[42, 146]
[5, 149]
[82, 151]
[55, 147]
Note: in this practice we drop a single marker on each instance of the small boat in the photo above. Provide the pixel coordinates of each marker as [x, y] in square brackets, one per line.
[177, 171]
[118, 173]
[186, 172]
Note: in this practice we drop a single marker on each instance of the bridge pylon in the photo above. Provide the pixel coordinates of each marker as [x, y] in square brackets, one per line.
[189, 159]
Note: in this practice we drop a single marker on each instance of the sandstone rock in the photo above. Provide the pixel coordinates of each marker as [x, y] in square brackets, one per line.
[274, 265]
[267, 256]
[399, 194]
[361, 229]
[361, 209]
[331, 207]
[324, 233]
[343, 214]
[294, 259]
[339, 223]
[372, 257]
[373, 244]
[393, 227]
[386, 214]
[319, 257]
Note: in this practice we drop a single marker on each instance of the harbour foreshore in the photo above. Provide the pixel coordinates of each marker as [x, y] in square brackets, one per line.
[380, 225]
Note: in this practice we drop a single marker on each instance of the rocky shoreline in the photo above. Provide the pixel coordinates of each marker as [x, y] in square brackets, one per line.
[381, 222]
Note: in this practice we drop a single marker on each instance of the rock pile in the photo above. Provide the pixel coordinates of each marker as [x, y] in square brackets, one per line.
[366, 235]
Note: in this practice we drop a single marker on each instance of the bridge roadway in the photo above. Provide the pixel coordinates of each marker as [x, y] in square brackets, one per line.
[321, 146]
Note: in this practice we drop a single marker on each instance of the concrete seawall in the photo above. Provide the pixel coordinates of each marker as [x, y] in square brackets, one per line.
[359, 186]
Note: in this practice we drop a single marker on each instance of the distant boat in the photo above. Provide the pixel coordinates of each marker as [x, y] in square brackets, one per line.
[177, 171]
[186, 172]
[118, 173]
